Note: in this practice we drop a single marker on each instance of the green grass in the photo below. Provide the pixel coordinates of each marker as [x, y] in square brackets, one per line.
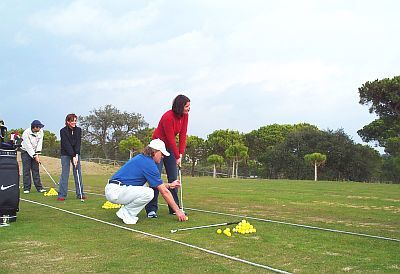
[48, 240]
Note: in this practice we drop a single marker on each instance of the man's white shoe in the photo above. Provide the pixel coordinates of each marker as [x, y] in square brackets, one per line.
[124, 215]
[26, 191]
[42, 190]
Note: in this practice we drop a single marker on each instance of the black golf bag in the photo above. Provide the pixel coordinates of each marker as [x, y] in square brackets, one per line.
[9, 182]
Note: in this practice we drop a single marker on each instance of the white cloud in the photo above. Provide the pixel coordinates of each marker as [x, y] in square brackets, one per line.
[188, 50]
[91, 22]
[22, 39]
[243, 64]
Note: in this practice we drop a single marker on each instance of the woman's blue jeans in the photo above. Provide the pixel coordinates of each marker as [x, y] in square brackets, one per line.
[66, 162]
[171, 169]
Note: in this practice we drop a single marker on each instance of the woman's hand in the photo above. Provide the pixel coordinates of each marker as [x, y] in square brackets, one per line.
[179, 161]
[75, 161]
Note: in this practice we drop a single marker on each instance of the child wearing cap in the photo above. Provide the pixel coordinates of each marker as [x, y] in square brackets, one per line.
[31, 147]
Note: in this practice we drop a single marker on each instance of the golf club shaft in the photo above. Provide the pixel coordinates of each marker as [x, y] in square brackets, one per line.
[203, 226]
[181, 190]
[48, 174]
[79, 183]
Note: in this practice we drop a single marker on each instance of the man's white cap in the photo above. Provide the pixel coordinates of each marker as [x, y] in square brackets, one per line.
[159, 145]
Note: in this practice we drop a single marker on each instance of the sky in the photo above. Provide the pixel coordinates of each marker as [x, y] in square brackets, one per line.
[243, 64]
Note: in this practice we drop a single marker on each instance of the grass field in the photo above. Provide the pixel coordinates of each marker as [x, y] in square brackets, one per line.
[45, 239]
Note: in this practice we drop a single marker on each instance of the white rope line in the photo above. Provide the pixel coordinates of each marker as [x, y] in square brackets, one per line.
[161, 238]
[299, 225]
[287, 223]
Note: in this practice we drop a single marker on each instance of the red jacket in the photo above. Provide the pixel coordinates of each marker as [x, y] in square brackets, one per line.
[171, 125]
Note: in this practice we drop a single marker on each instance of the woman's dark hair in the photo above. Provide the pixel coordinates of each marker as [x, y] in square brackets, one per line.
[179, 103]
[70, 117]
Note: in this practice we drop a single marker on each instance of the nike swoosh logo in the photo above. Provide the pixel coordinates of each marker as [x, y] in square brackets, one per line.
[6, 187]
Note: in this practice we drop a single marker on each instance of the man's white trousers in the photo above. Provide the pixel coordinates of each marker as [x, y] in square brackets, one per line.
[134, 198]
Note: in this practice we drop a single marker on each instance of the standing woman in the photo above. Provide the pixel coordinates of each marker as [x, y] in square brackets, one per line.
[70, 153]
[173, 123]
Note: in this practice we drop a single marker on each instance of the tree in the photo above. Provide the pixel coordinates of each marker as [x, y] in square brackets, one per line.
[108, 126]
[365, 165]
[383, 98]
[51, 147]
[316, 159]
[145, 135]
[195, 150]
[260, 140]
[132, 144]
[215, 159]
[264, 142]
[289, 156]
[219, 141]
[253, 167]
[391, 168]
[237, 153]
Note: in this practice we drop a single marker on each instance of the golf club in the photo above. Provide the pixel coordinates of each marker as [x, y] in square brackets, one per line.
[79, 184]
[203, 226]
[49, 174]
[181, 190]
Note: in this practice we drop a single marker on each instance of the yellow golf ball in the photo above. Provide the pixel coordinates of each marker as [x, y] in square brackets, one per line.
[219, 231]
[187, 218]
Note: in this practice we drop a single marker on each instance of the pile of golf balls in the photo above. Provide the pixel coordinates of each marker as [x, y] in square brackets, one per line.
[51, 192]
[109, 205]
[244, 227]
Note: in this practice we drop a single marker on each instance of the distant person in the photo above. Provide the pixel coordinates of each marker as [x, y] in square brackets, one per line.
[3, 131]
[127, 185]
[31, 147]
[71, 136]
[173, 123]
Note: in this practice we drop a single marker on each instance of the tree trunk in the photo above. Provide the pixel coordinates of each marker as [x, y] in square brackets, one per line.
[130, 154]
[192, 171]
[315, 171]
[233, 168]
[237, 167]
[215, 172]
[105, 150]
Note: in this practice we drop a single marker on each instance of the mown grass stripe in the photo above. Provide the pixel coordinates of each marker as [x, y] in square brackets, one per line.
[298, 225]
[286, 223]
[160, 237]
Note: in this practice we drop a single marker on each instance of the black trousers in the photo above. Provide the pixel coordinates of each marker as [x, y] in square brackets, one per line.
[29, 165]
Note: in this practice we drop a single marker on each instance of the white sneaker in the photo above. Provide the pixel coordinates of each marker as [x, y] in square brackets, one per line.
[152, 214]
[26, 191]
[124, 215]
[42, 190]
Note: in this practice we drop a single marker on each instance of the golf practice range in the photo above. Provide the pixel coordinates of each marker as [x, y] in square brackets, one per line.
[234, 226]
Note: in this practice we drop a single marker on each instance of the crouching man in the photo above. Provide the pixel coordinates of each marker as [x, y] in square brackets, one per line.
[127, 185]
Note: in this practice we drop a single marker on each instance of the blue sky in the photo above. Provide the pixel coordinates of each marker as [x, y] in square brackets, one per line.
[243, 64]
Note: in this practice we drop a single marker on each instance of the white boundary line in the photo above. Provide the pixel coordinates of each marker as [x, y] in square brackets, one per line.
[299, 225]
[160, 237]
[287, 223]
